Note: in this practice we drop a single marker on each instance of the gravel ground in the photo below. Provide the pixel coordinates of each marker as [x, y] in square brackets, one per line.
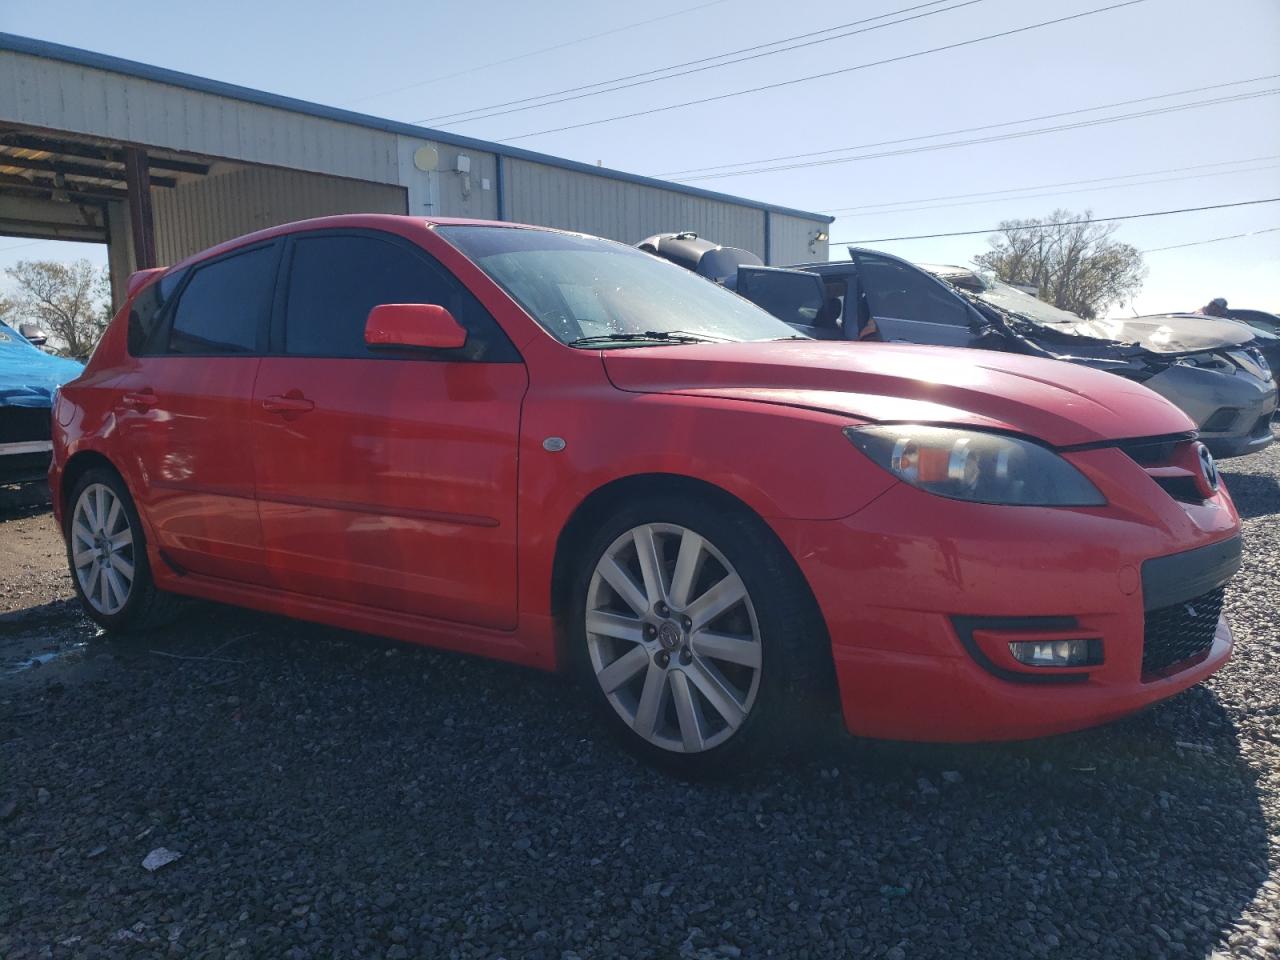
[334, 795]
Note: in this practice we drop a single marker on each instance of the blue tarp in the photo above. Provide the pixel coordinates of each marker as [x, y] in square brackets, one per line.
[28, 375]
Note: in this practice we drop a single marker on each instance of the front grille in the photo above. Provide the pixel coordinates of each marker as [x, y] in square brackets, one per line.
[1154, 451]
[1154, 454]
[1262, 427]
[1180, 632]
[22, 424]
[1183, 489]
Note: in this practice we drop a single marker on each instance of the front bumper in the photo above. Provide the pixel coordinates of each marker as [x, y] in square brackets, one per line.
[24, 462]
[25, 444]
[1233, 412]
[901, 582]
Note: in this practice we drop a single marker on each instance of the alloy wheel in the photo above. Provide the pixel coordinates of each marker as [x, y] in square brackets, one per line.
[673, 638]
[102, 549]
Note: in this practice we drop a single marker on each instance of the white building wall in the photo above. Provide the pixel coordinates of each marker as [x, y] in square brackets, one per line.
[549, 196]
[791, 240]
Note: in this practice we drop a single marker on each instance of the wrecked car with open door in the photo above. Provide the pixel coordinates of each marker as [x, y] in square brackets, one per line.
[1213, 369]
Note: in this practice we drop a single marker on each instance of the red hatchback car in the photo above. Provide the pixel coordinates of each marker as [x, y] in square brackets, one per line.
[561, 451]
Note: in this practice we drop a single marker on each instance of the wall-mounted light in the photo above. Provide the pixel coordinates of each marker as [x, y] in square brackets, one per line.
[815, 238]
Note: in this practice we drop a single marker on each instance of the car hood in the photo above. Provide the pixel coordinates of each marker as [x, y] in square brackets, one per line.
[1165, 334]
[28, 375]
[1059, 403]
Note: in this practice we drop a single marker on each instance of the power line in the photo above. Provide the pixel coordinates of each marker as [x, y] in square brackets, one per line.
[1058, 193]
[951, 133]
[1016, 135]
[1196, 243]
[1063, 223]
[830, 73]
[534, 53]
[694, 64]
[1044, 186]
[32, 243]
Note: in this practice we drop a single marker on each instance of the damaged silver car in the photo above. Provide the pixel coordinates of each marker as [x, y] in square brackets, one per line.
[1212, 369]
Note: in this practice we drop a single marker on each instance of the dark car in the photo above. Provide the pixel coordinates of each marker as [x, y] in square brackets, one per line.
[28, 379]
[1213, 369]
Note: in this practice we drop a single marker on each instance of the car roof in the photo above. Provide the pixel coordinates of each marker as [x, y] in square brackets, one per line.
[366, 221]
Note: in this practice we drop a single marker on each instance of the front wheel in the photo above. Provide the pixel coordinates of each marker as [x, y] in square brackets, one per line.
[106, 551]
[695, 634]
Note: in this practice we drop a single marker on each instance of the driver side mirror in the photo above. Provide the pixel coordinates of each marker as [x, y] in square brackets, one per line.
[423, 326]
[33, 334]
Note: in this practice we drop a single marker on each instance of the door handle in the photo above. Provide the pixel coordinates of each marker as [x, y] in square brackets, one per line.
[140, 400]
[293, 402]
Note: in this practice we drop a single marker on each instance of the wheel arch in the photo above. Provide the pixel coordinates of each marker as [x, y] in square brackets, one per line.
[78, 464]
[600, 502]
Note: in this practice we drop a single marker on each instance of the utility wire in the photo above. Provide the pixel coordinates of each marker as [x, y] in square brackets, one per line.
[695, 65]
[1063, 223]
[830, 73]
[1196, 243]
[1058, 193]
[951, 133]
[534, 53]
[1045, 186]
[31, 243]
[1016, 135]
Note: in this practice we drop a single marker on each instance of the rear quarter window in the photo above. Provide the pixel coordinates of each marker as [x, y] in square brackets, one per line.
[147, 311]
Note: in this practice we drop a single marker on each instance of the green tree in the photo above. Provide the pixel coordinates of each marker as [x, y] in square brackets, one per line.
[1074, 266]
[69, 300]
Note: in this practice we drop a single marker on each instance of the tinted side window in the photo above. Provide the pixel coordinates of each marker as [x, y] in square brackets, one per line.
[895, 290]
[335, 280]
[145, 312]
[225, 305]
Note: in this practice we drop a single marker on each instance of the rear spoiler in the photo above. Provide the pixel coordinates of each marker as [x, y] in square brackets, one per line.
[141, 278]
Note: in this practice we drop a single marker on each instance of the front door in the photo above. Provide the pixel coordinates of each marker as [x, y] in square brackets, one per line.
[386, 479]
[901, 303]
[184, 407]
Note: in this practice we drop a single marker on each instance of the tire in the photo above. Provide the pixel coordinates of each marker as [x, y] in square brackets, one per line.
[685, 687]
[113, 576]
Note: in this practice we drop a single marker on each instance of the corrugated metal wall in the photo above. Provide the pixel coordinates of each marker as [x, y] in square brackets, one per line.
[466, 195]
[629, 212]
[48, 93]
[223, 205]
[59, 96]
[791, 240]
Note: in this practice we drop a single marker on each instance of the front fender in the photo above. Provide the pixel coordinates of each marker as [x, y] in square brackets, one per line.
[782, 462]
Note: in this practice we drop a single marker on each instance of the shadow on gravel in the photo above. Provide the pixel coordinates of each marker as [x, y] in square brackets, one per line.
[1255, 494]
[338, 795]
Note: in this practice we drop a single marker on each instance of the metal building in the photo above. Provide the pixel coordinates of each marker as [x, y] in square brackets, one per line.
[160, 164]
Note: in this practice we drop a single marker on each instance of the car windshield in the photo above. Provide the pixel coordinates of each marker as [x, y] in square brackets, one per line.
[596, 293]
[1007, 297]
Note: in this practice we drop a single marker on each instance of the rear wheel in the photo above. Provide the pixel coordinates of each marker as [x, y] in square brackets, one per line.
[694, 634]
[107, 555]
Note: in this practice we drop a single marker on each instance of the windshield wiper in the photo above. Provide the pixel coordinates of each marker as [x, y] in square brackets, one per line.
[643, 336]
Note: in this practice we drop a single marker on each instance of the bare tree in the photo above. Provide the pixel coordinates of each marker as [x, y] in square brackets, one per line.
[66, 299]
[1077, 266]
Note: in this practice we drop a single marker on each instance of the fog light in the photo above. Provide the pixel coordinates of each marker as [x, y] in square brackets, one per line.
[1054, 653]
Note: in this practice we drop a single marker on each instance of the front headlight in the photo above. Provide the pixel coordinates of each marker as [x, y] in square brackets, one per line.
[977, 466]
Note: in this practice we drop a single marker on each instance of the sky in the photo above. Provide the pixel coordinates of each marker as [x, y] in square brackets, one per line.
[414, 61]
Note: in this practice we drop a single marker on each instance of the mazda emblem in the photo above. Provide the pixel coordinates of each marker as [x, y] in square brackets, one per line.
[1208, 467]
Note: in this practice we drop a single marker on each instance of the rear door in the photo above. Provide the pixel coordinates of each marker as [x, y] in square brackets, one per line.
[899, 302]
[386, 479]
[184, 409]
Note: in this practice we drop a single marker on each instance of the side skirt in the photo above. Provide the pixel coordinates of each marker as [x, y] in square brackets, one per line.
[529, 645]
